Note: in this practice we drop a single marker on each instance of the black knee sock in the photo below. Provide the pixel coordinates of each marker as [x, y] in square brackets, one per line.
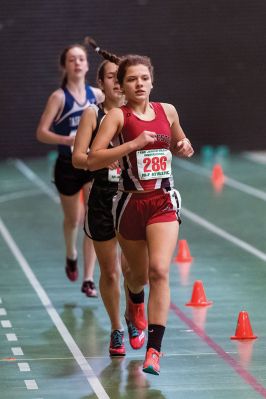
[155, 336]
[136, 298]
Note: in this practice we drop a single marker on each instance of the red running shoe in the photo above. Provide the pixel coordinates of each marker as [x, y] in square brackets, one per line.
[136, 314]
[151, 364]
[89, 289]
[136, 337]
[72, 269]
[117, 347]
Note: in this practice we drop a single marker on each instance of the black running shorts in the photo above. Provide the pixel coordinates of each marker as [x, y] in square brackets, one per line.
[69, 180]
[99, 223]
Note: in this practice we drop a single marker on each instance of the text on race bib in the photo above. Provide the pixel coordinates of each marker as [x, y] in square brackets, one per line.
[154, 164]
[114, 175]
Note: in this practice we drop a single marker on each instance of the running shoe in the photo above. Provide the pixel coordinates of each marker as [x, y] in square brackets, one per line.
[151, 364]
[136, 337]
[136, 314]
[117, 347]
[89, 289]
[72, 269]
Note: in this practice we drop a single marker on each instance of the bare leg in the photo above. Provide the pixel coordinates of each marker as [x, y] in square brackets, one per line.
[89, 259]
[109, 284]
[89, 255]
[161, 239]
[136, 336]
[136, 274]
[72, 209]
[136, 255]
[125, 270]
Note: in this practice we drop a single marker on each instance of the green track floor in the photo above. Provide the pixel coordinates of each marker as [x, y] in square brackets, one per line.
[60, 338]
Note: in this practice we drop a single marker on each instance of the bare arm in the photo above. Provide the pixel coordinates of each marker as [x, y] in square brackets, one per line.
[44, 132]
[86, 127]
[100, 156]
[180, 144]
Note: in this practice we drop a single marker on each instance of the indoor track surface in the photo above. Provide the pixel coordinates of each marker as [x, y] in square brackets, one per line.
[54, 341]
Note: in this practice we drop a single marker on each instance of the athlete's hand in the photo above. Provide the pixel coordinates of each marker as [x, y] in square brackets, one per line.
[146, 137]
[184, 148]
[114, 165]
[69, 140]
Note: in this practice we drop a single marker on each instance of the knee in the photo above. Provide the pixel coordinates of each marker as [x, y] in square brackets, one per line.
[111, 276]
[141, 279]
[71, 222]
[158, 275]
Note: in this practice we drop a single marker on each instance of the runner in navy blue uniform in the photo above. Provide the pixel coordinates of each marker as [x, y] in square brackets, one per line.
[99, 223]
[58, 125]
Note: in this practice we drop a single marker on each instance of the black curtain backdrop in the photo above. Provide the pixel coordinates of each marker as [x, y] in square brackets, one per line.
[209, 59]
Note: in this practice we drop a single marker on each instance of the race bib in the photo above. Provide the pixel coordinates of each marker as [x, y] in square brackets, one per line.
[72, 133]
[154, 164]
[114, 175]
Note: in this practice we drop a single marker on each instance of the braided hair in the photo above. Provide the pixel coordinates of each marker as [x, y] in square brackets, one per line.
[123, 62]
[89, 41]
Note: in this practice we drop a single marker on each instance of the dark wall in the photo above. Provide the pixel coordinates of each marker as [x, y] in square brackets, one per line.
[209, 59]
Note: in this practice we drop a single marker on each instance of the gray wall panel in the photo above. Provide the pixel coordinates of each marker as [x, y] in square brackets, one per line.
[209, 59]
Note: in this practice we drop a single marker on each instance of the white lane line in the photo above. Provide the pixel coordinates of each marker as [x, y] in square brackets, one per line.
[26, 171]
[2, 312]
[0, 300]
[17, 351]
[228, 180]
[31, 384]
[256, 156]
[62, 329]
[6, 324]
[222, 233]
[24, 367]
[11, 337]
[18, 195]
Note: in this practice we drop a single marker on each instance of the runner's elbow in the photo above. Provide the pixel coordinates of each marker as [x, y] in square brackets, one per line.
[91, 163]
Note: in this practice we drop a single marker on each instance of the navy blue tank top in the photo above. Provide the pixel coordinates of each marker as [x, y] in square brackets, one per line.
[68, 121]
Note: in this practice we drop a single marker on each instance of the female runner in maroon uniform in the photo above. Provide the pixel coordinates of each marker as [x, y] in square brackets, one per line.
[146, 209]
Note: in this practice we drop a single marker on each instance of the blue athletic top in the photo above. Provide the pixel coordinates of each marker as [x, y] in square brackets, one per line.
[69, 119]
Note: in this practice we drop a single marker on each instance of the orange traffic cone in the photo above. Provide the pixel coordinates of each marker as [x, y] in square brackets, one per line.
[217, 174]
[218, 185]
[198, 297]
[243, 327]
[217, 178]
[183, 254]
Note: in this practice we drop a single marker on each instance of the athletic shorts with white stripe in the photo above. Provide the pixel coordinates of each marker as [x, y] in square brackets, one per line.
[132, 212]
[99, 222]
